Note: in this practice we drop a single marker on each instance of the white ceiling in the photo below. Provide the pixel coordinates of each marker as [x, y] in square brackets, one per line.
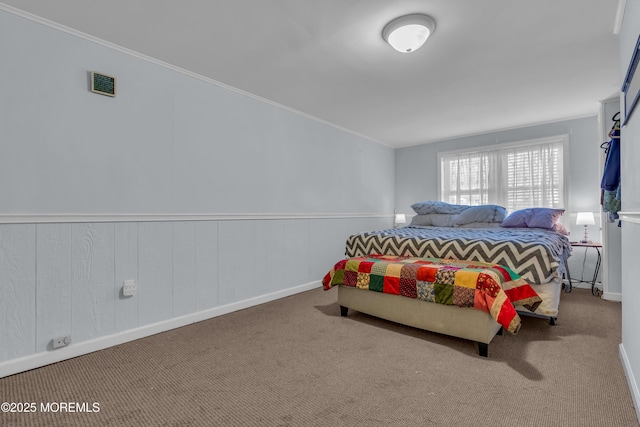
[491, 64]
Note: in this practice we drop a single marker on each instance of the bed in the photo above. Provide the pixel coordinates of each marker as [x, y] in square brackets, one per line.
[482, 295]
[536, 255]
[530, 243]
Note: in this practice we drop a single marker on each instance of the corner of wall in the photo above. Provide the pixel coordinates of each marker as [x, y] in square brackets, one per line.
[633, 384]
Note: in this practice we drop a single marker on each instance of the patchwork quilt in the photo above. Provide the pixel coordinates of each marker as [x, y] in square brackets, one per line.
[487, 287]
[536, 255]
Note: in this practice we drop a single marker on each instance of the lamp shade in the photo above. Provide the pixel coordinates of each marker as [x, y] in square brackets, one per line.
[585, 218]
[400, 219]
[408, 33]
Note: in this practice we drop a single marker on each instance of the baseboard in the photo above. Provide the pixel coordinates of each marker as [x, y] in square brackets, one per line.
[609, 296]
[612, 296]
[631, 381]
[37, 360]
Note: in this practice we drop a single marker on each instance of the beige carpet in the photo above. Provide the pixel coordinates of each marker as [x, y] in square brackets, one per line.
[296, 362]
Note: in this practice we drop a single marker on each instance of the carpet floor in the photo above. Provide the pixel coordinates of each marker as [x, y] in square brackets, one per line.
[296, 362]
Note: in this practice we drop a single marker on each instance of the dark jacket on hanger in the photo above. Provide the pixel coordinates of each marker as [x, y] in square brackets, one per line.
[611, 174]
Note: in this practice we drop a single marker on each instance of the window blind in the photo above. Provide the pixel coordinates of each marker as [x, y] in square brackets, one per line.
[515, 175]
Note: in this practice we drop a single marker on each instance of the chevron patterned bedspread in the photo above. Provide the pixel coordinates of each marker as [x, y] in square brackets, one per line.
[487, 287]
[536, 255]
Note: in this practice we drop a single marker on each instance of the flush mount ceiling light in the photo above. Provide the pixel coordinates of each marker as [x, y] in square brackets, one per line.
[408, 33]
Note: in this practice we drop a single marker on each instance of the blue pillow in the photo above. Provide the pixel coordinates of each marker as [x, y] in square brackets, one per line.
[517, 219]
[482, 213]
[544, 218]
[533, 218]
[436, 207]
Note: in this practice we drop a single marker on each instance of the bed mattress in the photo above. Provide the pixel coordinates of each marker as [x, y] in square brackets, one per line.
[536, 255]
[550, 293]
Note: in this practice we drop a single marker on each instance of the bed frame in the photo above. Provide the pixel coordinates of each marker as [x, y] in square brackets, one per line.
[461, 322]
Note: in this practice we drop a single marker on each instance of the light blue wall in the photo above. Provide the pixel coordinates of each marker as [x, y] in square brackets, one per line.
[167, 142]
[276, 195]
[630, 181]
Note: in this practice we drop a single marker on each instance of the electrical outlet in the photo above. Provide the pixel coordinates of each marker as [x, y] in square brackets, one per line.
[61, 341]
[129, 288]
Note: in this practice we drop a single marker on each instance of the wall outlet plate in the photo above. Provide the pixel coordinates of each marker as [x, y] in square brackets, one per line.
[61, 341]
[129, 288]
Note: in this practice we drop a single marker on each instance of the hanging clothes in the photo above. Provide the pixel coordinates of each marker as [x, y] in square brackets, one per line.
[611, 174]
[611, 204]
[610, 183]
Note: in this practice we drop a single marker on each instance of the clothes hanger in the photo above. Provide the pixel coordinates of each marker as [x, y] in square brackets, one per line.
[615, 127]
[611, 135]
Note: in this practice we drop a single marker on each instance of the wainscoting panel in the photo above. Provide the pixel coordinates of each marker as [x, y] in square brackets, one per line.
[17, 290]
[279, 260]
[294, 258]
[184, 268]
[155, 272]
[327, 234]
[206, 292]
[53, 284]
[126, 268]
[238, 249]
[92, 249]
[66, 278]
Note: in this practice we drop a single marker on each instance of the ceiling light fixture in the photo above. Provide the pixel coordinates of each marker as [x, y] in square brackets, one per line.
[408, 33]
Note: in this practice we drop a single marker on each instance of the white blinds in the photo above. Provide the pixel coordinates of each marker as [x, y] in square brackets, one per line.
[516, 176]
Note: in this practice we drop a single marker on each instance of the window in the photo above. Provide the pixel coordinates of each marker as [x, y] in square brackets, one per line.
[516, 175]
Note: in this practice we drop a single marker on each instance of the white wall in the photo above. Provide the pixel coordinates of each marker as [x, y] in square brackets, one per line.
[630, 182]
[168, 143]
[611, 231]
[417, 175]
[210, 199]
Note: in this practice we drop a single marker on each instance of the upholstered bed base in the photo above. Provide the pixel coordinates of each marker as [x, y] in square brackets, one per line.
[466, 323]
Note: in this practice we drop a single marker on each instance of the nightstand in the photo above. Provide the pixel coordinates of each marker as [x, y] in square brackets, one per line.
[597, 246]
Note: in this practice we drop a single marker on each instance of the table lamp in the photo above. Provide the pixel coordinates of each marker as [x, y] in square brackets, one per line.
[586, 219]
